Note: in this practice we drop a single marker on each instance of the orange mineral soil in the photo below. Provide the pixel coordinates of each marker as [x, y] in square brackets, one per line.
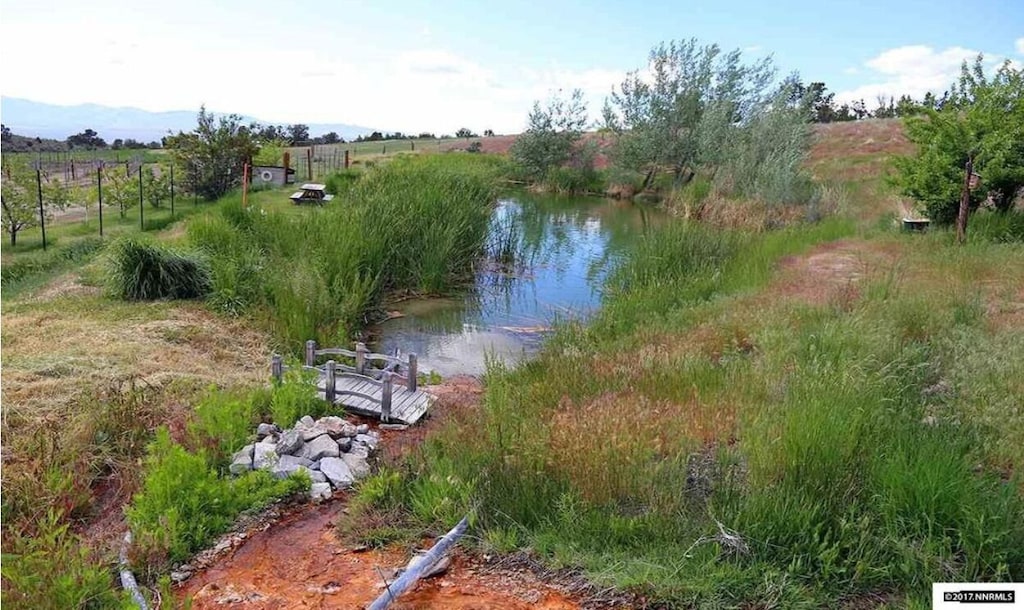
[299, 563]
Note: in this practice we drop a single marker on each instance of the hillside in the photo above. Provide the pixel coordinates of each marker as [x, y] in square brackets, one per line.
[33, 119]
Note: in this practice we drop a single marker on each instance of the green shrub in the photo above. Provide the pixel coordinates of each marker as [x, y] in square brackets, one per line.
[140, 271]
[339, 183]
[294, 399]
[54, 570]
[223, 422]
[999, 227]
[184, 504]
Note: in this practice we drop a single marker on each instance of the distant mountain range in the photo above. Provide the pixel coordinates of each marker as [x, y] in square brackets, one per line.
[29, 118]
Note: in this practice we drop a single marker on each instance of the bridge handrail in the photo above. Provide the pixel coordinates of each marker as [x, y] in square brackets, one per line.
[362, 356]
[330, 373]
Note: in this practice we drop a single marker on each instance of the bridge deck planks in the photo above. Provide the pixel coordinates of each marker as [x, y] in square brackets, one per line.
[406, 407]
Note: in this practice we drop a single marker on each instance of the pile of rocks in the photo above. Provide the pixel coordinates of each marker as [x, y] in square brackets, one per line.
[330, 450]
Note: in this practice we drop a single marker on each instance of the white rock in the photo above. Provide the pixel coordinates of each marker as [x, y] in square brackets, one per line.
[320, 491]
[287, 464]
[344, 443]
[317, 477]
[362, 428]
[312, 432]
[263, 430]
[241, 461]
[358, 465]
[370, 440]
[264, 455]
[289, 442]
[305, 422]
[337, 472]
[320, 447]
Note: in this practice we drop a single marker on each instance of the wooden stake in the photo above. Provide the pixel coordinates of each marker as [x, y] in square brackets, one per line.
[245, 185]
[965, 200]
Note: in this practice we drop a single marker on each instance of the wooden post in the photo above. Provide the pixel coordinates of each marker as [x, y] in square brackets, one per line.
[965, 201]
[309, 163]
[172, 190]
[73, 169]
[385, 397]
[286, 160]
[142, 219]
[311, 353]
[330, 382]
[245, 185]
[276, 367]
[99, 193]
[412, 372]
[361, 358]
[346, 158]
[42, 216]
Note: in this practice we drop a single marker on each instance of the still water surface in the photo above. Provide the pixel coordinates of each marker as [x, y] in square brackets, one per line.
[567, 246]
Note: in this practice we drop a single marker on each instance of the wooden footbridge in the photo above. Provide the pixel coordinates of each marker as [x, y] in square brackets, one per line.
[389, 392]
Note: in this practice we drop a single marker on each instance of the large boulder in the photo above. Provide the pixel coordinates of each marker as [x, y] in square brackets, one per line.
[320, 491]
[264, 430]
[337, 472]
[312, 432]
[289, 442]
[264, 455]
[336, 426]
[287, 464]
[241, 461]
[320, 447]
[370, 440]
[359, 467]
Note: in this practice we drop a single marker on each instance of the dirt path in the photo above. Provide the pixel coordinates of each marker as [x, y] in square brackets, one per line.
[299, 563]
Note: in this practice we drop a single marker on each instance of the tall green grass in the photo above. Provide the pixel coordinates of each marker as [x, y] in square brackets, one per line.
[416, 225]
[708, 447]
[145, 271]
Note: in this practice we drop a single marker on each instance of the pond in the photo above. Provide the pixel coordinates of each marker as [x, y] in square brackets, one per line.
[565, 248]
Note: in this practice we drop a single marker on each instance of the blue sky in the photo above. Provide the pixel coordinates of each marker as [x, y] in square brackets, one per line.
[443, 64]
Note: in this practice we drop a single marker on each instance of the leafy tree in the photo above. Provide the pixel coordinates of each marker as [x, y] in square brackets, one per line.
[981, 118]
[156, 185]
[679, 120]
[551, 133]
[213, 155]
[488, 133]
[19, 196]
[117, 144]
[298, 134]
[5, 134]
[332, 137]
[465, 132]
[426, 135]
[120, 190]
[87, 139]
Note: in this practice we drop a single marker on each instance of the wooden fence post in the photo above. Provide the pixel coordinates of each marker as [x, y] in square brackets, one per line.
[346, 158]
[361, 358]
[385, 397]
[311, 353]
[412, 372]
[276, 367]
[309, 163]
[329, 386]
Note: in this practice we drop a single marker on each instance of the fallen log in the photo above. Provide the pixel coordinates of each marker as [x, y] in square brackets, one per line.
[409, 578]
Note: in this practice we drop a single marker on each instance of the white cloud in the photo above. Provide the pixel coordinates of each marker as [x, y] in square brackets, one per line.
[913, 70]
[1020, 45]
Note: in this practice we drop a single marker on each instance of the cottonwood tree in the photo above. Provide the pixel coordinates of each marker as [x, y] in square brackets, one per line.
[699, 109]
[19, 196]
[980, 118]
[675, 116]
[551, 134]
[213, 155]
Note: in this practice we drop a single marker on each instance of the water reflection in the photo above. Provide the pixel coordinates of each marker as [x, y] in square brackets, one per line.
[566, 247]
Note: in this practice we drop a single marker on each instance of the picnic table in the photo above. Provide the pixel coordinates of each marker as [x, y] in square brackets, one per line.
[311, 193]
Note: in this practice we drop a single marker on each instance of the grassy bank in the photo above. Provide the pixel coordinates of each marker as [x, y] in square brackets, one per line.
[724, 433]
